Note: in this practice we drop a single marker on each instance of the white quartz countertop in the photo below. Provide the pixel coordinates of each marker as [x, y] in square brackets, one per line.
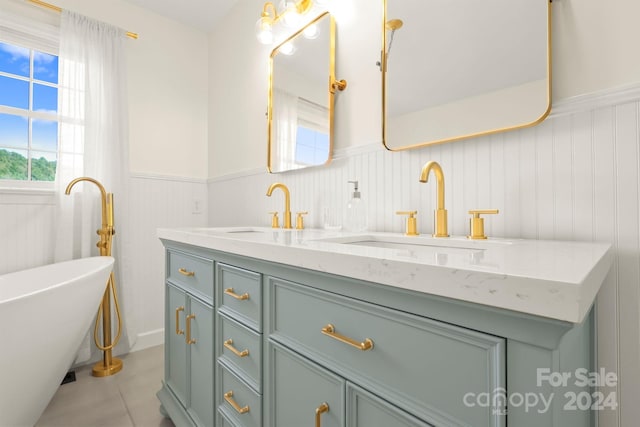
[554, 279]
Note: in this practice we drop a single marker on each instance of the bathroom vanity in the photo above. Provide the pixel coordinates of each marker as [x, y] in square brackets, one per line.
[285, 328]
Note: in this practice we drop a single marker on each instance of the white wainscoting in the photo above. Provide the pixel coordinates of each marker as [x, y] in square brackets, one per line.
[576, 176]
[26, 238]
[157, 202]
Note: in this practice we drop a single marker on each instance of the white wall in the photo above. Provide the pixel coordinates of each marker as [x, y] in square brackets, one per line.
[168, 80]
[595, 45]
[575, 176]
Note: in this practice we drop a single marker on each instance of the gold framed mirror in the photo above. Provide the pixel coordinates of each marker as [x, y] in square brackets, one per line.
[300, 107]
[456, 70]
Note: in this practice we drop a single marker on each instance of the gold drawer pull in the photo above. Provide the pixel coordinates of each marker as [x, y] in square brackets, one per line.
[189, 340]
[228, 344]
[330, 331]
[186, 272]
[178, 330]
[319, 411]
[243, 297]
[228, 396]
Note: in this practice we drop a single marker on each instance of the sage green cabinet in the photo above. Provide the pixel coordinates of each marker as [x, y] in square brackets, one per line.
[187, 393]
[176, 366]
[287, 341]
[420, 364]
[303, 393]
[367, 410]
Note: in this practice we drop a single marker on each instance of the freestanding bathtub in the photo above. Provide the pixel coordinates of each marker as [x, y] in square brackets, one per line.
[45, 313]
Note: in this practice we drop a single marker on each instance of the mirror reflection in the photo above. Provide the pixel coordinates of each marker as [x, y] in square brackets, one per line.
[460, 69]
[300, 111]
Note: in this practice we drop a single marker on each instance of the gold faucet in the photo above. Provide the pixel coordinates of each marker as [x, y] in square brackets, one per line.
[107, 229]
[287, 202]
[109, 365]
[440, 214]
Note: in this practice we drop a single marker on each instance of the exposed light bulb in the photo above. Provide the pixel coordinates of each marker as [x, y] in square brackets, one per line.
[311, 32]
[290, 15]
[287, 49]
[264, 31]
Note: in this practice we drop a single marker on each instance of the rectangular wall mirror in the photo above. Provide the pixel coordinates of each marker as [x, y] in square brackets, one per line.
[301, 98]
[465, 68]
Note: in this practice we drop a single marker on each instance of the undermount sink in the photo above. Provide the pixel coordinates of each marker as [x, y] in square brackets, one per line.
[420, 244]
[244, 230]
[233, 230]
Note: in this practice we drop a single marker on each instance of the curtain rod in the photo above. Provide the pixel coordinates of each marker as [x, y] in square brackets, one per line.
[59, 9]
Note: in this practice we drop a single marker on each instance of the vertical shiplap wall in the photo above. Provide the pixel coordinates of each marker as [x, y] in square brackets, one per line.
[26, 239]
[576, 176]
[157, 202]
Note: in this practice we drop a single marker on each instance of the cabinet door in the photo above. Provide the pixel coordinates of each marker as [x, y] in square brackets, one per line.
[302, 391]
[367, 410]
[200, 323]
[175, 348]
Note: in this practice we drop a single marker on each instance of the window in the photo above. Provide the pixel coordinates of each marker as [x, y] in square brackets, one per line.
[28, 113]
[312, 134]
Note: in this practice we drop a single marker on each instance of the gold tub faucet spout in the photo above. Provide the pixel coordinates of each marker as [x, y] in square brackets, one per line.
[107, 229]
[440, 214]
[287, 202]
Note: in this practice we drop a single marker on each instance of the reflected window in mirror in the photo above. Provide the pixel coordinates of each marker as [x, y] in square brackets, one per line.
[454, 70]
[301, 99]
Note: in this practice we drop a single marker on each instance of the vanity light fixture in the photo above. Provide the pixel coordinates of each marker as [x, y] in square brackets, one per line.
[290, 15]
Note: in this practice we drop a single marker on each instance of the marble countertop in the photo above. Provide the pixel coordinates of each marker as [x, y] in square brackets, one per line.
[554, 279]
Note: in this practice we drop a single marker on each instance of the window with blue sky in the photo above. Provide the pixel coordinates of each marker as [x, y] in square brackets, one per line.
[28, 113]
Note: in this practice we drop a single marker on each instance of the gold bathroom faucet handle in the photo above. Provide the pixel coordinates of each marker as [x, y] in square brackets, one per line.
[275, 223]
[412, 223]
[300, 220]
[476, 223]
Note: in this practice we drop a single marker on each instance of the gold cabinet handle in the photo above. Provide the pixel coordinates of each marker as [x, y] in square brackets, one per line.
[186, 272]
[319, 411]
[243, 297]
[178, 330]
[189, 340]
[330, 331]
[228, 396]
[228, 344]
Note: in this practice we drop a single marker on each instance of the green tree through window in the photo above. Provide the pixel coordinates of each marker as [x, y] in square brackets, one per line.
[28, 113]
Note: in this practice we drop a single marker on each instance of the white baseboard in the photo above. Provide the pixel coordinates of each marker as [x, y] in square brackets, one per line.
[148, 339]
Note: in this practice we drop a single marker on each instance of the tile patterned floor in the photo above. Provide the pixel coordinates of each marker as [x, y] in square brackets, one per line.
[126, 399]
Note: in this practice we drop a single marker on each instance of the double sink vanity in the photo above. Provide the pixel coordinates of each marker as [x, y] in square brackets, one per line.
[298, 327]
[285, 327]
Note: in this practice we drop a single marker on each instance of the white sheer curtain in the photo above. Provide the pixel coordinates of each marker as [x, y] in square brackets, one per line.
[93, 142]
[285, 125]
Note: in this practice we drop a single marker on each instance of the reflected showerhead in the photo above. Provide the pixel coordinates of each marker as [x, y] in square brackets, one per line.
[391, 25]
[394, 24]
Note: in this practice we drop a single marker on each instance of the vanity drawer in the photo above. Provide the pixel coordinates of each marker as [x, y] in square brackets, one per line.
[240, 295]
[408, 354]
[241, 349]
[191, 272]
[237, 402]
